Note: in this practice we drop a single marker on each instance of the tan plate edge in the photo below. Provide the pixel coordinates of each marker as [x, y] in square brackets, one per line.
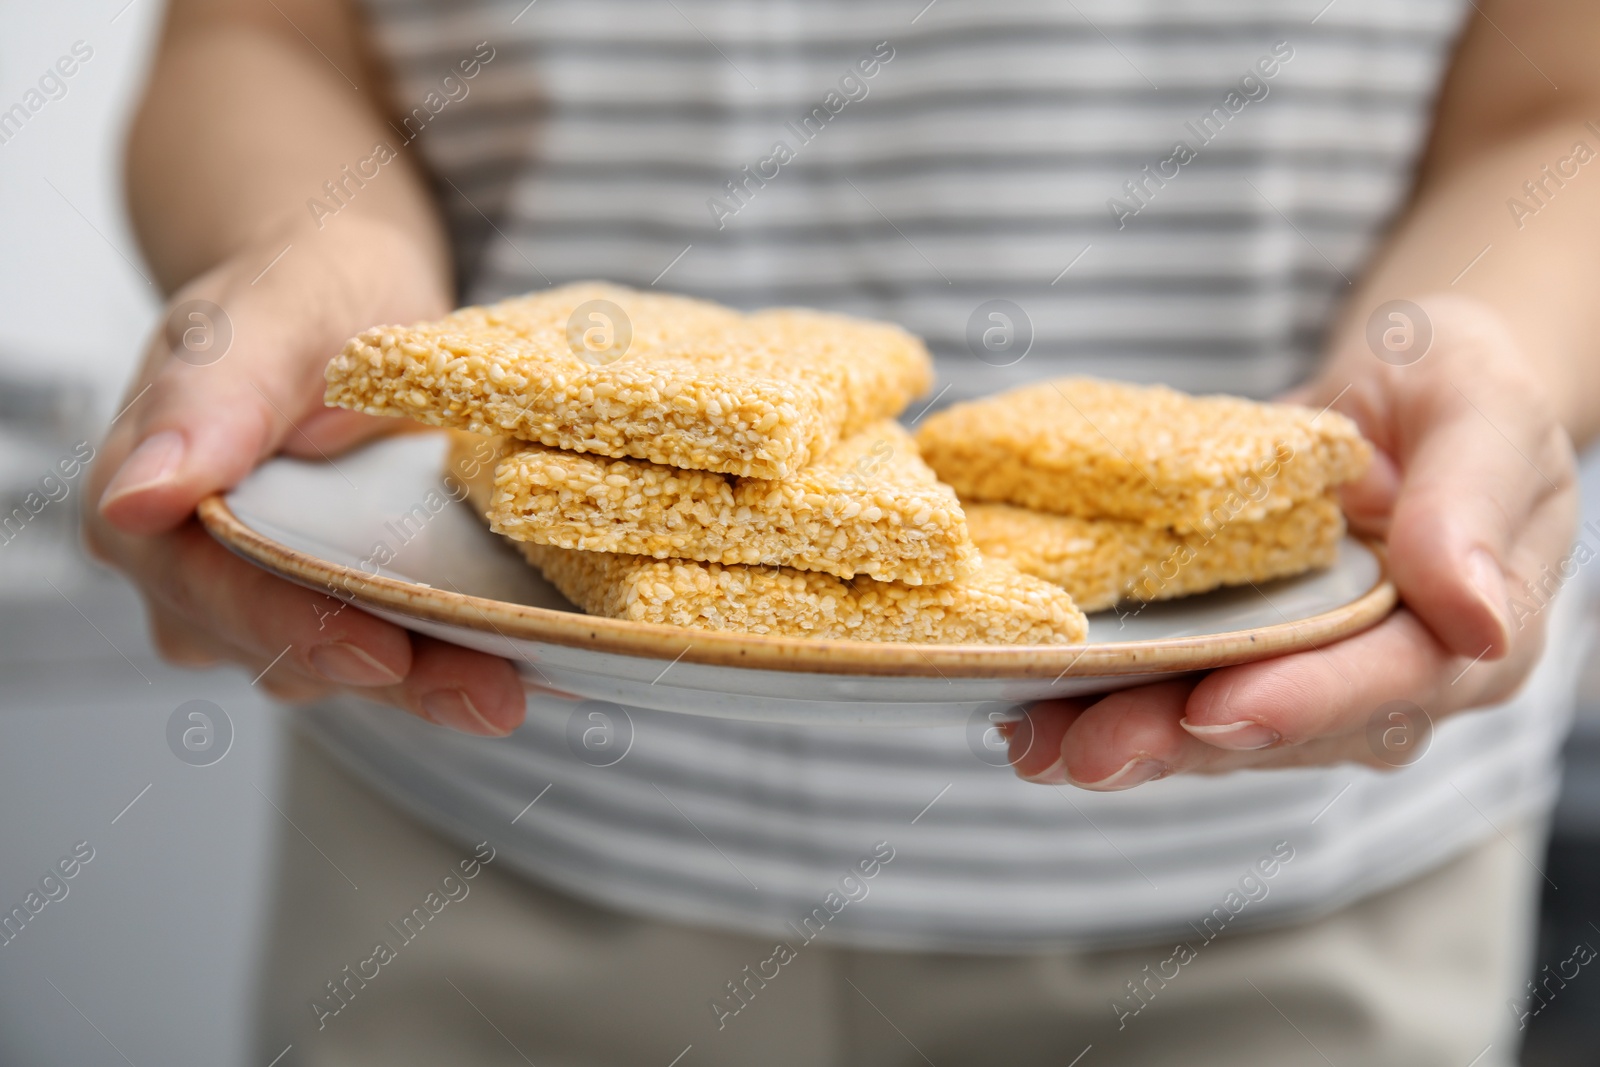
[813, 655]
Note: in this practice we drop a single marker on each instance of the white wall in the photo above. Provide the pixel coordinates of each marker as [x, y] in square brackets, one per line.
[69, 299]
[149, 954]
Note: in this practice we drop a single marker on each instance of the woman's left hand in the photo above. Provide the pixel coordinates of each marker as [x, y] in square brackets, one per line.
[1474, 489]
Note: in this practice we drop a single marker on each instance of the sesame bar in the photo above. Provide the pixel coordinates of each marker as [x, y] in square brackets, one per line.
[868, 506]
[1108, 450]
[696, 386]
[1102, 562]
[472, 458]
[998, 605]
[994, 605]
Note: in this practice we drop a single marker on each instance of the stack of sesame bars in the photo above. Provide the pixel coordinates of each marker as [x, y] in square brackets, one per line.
[1127, 494]
[668, 460]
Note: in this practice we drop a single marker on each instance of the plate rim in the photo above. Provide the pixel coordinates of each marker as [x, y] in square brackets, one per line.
[812, 655]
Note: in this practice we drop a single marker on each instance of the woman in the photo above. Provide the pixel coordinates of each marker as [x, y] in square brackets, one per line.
[1383, 205]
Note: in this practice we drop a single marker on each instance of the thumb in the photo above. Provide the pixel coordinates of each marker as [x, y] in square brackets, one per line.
[1368, 502]
[1484, 464]
[226, 382]
[235, 373]
[197, 427]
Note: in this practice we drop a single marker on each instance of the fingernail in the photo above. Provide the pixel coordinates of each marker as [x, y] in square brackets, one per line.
[346, 664]
[1486, 578]
[453, 708]
[1055, 774]
[155, 461]
[1244, 736]
[1134, 772]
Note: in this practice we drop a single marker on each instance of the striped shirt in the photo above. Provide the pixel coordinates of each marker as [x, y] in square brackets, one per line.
[1179, 190]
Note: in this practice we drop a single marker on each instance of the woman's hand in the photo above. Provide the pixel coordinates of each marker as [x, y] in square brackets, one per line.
[1474, 488]
[197, 424]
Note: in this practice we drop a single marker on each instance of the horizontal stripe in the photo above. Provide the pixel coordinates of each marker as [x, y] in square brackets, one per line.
[1238, 229]
[498, 98]
[1215, 336]
[978, 139]
[647, 30]
[828, 281]
[1030, 129]
[690, 183]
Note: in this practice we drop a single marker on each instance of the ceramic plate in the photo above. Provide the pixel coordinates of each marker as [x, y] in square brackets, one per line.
[377, 528]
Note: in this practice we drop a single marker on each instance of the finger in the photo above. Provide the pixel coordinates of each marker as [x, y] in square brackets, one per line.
[1543, 559]
[460, 688]
[318, 640]
[489, 705]
[256, 617]
[288, 686]
[201, 428]
[327, 639]
[1480, 449]
[245, 607]
[1332, 692]
[179, 642]
[329, 431]
[183, 644]
[1369, 501]
[1128, 738]
[1467, 493]
[1296, 698]
[1034, 742]
[1464, 451]
[1137, 736]
[203, 424]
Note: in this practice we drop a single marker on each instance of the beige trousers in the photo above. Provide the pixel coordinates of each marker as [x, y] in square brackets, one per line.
[493, 970]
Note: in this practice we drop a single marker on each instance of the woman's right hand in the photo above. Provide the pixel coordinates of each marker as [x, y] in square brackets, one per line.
[193, 426]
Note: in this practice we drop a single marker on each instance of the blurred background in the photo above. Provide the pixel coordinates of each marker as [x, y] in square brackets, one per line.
[148, 958]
